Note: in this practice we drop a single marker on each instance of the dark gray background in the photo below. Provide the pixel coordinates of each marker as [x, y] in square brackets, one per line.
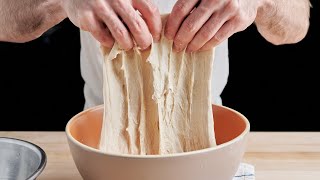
[276, 87]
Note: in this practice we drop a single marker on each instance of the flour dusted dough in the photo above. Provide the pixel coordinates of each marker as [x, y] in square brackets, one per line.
[156, 101]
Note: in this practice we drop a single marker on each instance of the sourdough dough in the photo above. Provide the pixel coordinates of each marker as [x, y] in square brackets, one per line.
[156, 101]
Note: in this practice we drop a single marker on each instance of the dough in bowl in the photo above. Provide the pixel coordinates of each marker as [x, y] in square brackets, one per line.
[156, 101]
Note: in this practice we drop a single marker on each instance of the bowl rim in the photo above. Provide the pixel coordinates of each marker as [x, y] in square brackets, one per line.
[32, 146]
[133, 156]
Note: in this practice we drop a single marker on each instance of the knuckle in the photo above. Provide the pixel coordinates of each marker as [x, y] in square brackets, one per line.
[217, 39]
[238, 25]
[239, 19]
[217, 3]
[180, 8]
[131, 13]
[227, 1]
[119, 32]
[179, 41]
[117, 3]
[99, 8]
[190, 26]
[206, 32]
[233, 7]
[153, 10]
[83, 23]
[137, 26]
[203, 9]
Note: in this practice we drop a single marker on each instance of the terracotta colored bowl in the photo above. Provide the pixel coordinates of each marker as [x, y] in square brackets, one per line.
[218, 163]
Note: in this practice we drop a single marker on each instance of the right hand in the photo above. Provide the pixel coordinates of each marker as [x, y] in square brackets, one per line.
[109, 20]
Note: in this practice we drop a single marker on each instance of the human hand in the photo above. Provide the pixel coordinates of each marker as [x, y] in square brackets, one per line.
[109, 20]
[203, 26]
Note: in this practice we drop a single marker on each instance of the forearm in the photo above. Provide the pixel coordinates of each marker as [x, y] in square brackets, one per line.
[283, 21]
[25, 20]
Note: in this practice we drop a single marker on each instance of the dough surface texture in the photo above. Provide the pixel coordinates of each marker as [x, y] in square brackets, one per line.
[156, 101]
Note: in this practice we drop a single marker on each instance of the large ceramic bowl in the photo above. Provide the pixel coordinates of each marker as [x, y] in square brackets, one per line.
[217, 163]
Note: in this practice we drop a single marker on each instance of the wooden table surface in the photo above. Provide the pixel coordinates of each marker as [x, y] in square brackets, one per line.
[275, 155]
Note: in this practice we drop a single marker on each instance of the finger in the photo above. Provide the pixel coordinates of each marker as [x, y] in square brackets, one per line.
[212, 26]
[89, 22]
[117, 28]
[224, 33]
[135, 23]
[85, 20]
[180, 10]
[192, 24]
[102, 34]
[151, 15]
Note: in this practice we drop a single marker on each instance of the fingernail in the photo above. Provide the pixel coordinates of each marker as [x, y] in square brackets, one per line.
[189, 50]
[203, 49]
[156, 38]
[146, 49]
[177, 48]
[168, 35]
[127, 48]
[108, 45]
[192, 48]
[143, 47]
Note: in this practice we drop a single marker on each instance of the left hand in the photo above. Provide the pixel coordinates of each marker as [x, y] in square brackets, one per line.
[211, 22]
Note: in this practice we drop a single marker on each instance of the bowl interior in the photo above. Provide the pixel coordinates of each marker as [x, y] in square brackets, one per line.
[20, 159]
[86, 126]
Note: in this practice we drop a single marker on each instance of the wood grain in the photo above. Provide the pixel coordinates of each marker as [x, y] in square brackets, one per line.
[275, 155]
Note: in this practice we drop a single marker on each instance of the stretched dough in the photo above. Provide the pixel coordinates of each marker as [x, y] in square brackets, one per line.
[156, 101]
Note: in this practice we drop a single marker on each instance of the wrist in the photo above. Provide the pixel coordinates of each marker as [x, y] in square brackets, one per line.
[55, 10]
[266, 11]
[61, 10]
[50, 13]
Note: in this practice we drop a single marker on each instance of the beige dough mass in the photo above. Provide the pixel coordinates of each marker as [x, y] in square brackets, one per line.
[156, 101]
